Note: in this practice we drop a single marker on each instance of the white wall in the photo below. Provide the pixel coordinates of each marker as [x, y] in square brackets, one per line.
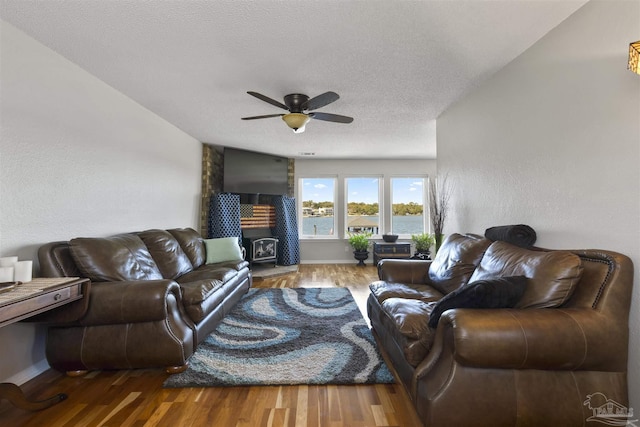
[78, 158]
[315, 251]
[553, 141]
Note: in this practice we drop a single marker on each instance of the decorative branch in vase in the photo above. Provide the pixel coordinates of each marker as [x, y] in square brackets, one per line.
[439, 195]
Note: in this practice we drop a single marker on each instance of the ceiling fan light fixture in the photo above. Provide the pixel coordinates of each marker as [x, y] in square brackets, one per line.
[296, 121]
[296, 104]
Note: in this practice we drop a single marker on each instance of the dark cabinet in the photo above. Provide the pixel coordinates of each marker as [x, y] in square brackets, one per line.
[391, 250]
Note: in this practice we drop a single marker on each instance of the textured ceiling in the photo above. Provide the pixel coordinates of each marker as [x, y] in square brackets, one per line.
[397, 65]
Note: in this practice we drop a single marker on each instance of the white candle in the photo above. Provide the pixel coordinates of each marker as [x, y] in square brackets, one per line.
[8, 261]
[6, 274]
[23, 271]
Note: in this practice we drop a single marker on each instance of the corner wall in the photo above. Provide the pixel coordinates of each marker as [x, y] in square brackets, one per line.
[213, 181]
[553, 141]
[78, 158]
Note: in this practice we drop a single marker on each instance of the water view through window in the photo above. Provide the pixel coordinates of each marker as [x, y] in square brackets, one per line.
[363, 202]
[407, 202]
[363, 205]
[318, 203]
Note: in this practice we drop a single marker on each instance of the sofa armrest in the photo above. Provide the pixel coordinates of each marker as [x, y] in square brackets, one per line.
[129, 301]
[547, 339]
[410, 271]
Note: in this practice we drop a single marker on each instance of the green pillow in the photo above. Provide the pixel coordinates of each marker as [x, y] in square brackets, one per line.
[222, 249]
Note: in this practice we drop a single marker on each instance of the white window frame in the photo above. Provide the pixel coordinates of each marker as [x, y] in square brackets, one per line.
[381, 203]
[425, 202]
[336, 208]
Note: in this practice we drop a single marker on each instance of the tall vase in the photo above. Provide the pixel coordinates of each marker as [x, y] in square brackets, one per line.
[439, 239]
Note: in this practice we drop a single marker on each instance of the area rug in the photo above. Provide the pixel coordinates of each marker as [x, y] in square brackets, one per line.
[288, 336]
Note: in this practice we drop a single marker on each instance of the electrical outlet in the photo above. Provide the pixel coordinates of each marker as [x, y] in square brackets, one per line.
[346, 248]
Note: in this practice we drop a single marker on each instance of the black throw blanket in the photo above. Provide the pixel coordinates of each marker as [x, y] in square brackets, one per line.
[519, 235]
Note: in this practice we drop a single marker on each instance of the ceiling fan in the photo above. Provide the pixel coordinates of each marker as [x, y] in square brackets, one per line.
[297, 104]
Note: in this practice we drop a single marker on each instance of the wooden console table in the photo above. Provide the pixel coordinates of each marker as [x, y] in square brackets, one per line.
[30, 299]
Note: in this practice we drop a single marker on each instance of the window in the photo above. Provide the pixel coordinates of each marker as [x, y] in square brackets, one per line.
[331, 207]
[408, 205]
[363, 204]
[318, 197]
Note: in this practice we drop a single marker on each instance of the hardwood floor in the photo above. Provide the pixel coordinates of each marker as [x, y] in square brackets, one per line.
[136, 397]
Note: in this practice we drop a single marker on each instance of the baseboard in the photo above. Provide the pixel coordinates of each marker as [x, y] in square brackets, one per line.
[28, 374]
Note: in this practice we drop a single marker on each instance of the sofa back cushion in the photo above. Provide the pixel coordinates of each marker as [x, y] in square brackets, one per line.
[191, 243]
[116, 258]
[553, 275]
[166, 252]
[456, 260]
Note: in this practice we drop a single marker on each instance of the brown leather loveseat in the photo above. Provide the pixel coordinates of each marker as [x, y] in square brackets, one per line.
[557, 357]
[153, 298]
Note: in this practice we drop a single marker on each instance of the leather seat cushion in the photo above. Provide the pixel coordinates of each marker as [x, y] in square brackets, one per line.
[200, 297]
[410, 326]
[383, 290]
[209, 271]
[205, 288]
[237, 265]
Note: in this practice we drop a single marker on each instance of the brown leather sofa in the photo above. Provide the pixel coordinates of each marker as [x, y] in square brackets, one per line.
[152, 299]
[535, 364]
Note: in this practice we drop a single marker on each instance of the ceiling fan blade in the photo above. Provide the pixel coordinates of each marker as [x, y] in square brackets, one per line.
[320, 101]
[327, 117]
[269, 100]
[262, 117]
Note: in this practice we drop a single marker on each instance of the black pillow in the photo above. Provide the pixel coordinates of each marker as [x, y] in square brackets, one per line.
[501, 292]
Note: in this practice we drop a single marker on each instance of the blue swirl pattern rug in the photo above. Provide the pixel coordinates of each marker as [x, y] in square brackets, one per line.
[288, 336]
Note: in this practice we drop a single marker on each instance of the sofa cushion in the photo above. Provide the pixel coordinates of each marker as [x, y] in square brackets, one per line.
[222, 272]
[206, 288]
[501, 292]
[383, 290]
[166, 252]
[553, 275]
[410, 326]
[222, 249]
[198, 297]
[236, 265]
[191, 243]
[456, 260]
[116, 258]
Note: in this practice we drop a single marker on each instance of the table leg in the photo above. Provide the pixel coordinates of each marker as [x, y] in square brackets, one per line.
[16, 396]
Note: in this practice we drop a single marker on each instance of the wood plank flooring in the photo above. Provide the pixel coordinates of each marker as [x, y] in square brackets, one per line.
[136, 397]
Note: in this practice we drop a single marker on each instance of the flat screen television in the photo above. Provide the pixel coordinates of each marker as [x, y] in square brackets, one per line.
[254, 173]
